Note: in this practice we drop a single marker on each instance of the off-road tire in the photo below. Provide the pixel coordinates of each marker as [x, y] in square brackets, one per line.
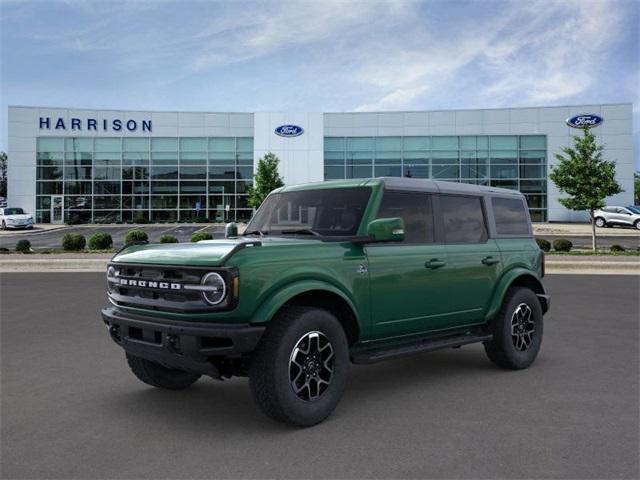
[501, 350]
[270, 369]
[159, 376]
[600, 222]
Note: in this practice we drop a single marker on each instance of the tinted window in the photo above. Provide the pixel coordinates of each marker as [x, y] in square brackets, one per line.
[414, 209]
[511, 218]
[463, 219]
[327, 211]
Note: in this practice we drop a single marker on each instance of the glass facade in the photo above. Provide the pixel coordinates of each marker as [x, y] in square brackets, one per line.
[105, 180]
[518, 162]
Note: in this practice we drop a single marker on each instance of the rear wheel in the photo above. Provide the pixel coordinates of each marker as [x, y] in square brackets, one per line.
[160, 376]
[600, 222]
[517, 330]
[637, 224]
[299, 371]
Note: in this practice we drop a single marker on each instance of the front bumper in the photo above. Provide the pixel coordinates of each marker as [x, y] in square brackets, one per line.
[186, 346]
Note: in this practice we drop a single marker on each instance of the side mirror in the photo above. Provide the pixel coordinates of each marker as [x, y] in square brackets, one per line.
[231, 230]
[386, 230]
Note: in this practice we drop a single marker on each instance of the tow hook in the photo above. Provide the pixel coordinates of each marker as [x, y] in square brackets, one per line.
[173, 343]
[114, 331]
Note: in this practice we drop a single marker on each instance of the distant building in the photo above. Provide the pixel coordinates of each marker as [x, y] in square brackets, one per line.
[112, 165]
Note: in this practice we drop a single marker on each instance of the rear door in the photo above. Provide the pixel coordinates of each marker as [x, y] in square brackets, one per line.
[473, 259]
[408, 280]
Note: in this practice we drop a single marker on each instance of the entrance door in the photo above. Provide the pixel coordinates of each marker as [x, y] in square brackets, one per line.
[57, 209]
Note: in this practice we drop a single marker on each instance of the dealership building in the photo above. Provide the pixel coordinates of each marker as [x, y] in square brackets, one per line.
[115, 165]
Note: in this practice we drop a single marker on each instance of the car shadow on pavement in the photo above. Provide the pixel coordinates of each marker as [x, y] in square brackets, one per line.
[229, 405]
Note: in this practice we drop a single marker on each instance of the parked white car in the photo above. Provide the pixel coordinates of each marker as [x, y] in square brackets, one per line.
[623, 216]
[15, 218]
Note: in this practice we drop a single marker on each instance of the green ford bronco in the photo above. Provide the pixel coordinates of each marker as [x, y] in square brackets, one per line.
[329, 274]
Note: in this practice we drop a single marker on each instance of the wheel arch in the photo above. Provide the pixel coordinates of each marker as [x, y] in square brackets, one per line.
[515, 278]
[313, 294]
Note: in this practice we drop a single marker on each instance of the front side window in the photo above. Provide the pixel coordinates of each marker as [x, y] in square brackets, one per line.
[415, 209]
[510, 216]
[322, 212]
[463, 219]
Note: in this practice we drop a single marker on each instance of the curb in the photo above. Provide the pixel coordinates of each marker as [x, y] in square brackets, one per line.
[54, 265]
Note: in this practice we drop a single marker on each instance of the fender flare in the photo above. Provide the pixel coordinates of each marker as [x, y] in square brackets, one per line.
[275, 301]
[507, 279]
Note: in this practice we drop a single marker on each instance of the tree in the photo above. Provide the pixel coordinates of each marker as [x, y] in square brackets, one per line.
[3, 174]
[585, 176]
[636, 188]
[266, 179]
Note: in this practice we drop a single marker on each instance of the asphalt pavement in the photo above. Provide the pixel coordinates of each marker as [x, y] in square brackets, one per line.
[71, 408]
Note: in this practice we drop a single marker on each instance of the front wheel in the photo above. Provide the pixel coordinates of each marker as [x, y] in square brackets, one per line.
[517, 330]
[159, 376]
[4, 225]
[637, 224]
[600, 222]
[299, 370]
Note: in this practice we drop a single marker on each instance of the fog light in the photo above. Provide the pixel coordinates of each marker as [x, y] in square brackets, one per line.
[214, 289]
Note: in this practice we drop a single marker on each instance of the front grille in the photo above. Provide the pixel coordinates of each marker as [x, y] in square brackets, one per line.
[161, 288]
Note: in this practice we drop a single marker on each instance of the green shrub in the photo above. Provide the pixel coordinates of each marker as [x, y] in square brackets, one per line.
[73, 242]
[562, 245]
[141, 219]
[23, 246]
[100, 241]
[168, 239]
[200, 220]
[74, 220]
[617, 248]
[136, 235]
[196, 237]
[544, 245]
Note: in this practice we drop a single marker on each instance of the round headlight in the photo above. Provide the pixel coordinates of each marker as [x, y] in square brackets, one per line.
[111, 273]
[215, 288]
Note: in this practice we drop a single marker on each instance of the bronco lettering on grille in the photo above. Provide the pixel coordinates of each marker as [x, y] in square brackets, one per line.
[149, 284]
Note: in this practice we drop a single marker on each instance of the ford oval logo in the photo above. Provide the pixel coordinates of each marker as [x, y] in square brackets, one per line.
[289, 131]
[588, 120]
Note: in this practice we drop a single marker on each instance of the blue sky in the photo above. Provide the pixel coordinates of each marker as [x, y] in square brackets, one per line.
[325, 55]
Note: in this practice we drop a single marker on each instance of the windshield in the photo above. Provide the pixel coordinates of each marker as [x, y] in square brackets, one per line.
[634, 209]
[13, 211]
[323, 212]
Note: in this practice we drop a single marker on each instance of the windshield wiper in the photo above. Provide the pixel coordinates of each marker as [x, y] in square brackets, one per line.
[301, 231]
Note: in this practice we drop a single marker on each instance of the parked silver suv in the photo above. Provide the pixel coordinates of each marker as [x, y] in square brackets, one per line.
[624, 216]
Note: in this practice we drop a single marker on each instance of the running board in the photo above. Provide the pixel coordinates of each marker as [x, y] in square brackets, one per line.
[379, 354]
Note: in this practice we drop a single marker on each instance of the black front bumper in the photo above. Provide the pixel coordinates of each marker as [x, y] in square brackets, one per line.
[188, 346]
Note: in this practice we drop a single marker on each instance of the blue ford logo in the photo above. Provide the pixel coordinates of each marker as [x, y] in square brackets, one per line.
[588, 120]
[289, 131]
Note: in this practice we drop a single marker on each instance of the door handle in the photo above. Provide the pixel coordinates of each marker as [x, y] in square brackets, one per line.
[490, 260]
[434, 263]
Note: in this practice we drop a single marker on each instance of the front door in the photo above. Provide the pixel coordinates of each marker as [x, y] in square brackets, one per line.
[57, 209]
[408, 280]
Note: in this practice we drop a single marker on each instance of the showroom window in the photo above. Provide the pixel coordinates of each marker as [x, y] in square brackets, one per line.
[517, 162]
[115, 179]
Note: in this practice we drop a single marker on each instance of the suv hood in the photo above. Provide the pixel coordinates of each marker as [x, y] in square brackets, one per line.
[24, 216]
[211, 253]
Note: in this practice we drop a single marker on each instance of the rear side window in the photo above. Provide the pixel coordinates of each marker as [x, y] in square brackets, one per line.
[415, 209]
[511, 217]
[463, 219]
